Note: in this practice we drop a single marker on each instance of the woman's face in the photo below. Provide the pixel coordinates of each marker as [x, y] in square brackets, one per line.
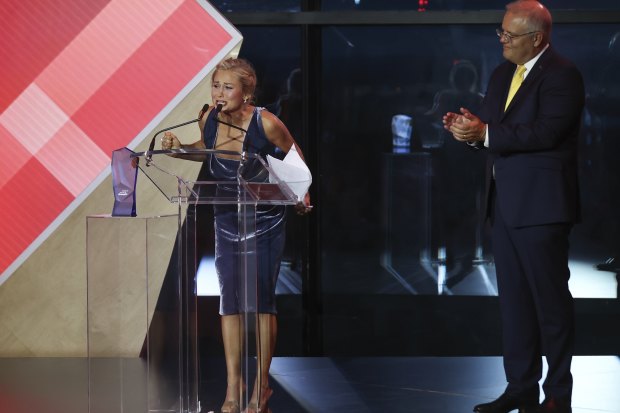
[227, 90]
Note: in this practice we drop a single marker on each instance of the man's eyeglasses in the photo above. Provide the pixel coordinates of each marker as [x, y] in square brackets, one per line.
[502, 33]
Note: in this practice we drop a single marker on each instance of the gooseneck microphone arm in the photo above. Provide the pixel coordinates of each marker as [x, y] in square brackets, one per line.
[218, 120]
[231, 125]
[218, 109]
[149, 152]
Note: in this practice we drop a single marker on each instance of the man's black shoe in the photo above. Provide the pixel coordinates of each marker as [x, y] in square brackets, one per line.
[552, 405]
[507, 403]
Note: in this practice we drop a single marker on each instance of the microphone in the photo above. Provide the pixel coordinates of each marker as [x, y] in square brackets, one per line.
[204, 109]
[149, 153]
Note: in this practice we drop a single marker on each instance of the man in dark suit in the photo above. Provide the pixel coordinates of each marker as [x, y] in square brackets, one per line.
[529, 124]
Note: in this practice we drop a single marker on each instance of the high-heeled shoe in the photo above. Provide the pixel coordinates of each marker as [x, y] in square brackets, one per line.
[230, 406]
[253, 407]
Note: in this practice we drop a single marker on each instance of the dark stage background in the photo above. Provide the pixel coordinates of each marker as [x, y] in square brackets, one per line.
[394, 259]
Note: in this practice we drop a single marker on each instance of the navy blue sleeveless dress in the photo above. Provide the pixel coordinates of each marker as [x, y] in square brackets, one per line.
[270, 228]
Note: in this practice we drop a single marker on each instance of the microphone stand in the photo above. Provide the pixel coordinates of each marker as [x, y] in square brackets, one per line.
[218, 120]
[149, 153]
[231, 125]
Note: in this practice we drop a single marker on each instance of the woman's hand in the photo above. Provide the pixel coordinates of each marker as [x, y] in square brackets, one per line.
[304, 207]
[170, 141]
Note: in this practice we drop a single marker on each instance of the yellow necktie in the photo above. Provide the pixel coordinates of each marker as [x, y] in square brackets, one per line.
[517, 79]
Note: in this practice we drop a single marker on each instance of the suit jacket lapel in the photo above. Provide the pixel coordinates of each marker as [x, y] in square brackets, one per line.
[537, 70]
[505, 80]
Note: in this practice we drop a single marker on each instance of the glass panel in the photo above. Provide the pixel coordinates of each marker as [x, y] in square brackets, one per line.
[129, 300]
[372, 74]
[257, 180]
[429, 5]
[276, 55]
[253, 5]
[133, 316]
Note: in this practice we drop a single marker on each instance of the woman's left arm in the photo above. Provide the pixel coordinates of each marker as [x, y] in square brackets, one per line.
[278, 134]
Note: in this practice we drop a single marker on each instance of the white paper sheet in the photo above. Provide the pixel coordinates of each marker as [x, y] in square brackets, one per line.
[293, 171]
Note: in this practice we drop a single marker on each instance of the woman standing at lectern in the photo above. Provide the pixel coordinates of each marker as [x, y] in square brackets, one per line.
[256, 130]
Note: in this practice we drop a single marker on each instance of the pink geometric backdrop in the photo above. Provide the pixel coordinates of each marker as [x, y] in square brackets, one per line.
[80, 79]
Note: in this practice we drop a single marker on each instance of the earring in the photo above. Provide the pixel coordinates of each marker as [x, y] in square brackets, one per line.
[245, 100]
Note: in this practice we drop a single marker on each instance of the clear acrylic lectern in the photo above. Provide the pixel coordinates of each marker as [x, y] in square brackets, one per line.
[142, 313]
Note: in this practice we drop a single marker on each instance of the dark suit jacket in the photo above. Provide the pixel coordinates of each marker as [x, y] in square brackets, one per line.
[533, 144]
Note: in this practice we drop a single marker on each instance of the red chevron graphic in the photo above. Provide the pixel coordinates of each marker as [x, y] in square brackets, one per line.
[81, 79]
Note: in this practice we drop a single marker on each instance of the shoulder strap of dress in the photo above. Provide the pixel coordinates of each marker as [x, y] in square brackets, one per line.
[259, 121]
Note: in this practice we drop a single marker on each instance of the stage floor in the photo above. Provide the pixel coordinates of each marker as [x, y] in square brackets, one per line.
[305, 384]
